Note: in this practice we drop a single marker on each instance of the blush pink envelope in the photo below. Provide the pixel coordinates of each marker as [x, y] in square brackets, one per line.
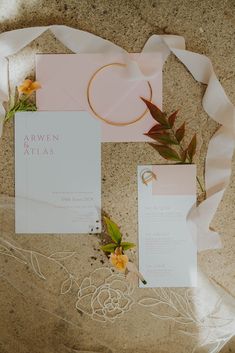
[65, 78]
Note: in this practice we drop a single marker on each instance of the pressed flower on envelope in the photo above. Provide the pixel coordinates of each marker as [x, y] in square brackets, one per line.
[22, 101]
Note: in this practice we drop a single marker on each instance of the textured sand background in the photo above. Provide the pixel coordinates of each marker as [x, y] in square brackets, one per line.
[208, 27]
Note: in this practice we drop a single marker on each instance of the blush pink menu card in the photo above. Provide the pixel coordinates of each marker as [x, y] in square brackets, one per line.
[65, 80]
[167, 252]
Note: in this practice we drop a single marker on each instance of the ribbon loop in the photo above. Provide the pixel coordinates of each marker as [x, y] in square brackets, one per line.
[215, 103]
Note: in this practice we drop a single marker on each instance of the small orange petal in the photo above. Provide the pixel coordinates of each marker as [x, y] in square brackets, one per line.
[113, 259]
[27, 83]
[24, 91]
[29, 91]
[28, 87]
[119, 261]
[35, 85]
[21, 88]
[25, 86]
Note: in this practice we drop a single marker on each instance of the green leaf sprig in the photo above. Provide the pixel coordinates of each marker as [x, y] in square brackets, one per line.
[21, 106]
[165, 133]
[169, 138]
[22, 100]
[116, 236]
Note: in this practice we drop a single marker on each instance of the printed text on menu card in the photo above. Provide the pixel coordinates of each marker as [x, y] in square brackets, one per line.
[167, 252]
[57, 172]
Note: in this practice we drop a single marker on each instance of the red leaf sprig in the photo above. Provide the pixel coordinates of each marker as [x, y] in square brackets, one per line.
[168, 137]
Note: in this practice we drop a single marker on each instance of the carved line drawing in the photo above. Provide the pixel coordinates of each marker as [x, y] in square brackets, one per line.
[110, 298]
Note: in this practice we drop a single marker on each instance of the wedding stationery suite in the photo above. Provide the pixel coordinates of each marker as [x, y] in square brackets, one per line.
[57, 172]
[99, 84]
[167, 252]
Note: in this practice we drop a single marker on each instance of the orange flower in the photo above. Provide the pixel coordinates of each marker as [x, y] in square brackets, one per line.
[119, 260]
[28, 87]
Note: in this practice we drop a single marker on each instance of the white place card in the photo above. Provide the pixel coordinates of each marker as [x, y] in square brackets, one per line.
[167, 252]
[57, 172]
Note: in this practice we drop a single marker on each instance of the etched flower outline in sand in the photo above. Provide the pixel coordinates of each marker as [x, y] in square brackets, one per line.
[104, 295]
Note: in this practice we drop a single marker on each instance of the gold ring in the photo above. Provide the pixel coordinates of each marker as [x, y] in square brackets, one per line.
[147, 175]
[104, 119]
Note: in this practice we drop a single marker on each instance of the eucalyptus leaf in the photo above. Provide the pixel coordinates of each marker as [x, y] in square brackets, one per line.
[179, 134]
[156, 113]
[165, 138]
[126, 246]
[109, 247]
[158, 128]
[21, 106]
[172, 117]
[191, 150]
[183, 156]
[167, 152]
[113, 230]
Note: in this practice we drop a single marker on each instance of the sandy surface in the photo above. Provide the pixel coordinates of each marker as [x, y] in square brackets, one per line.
[208, 27]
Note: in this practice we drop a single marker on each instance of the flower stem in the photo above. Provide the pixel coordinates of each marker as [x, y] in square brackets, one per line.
[201, 187]
[21, 105]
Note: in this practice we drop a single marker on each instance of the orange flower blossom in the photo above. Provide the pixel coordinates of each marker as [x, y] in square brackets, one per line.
[28, 87]
[119, 260]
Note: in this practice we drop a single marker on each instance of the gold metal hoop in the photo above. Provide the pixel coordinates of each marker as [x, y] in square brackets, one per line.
[104, 119]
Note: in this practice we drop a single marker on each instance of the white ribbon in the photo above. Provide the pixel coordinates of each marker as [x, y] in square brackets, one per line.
[215, 102]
